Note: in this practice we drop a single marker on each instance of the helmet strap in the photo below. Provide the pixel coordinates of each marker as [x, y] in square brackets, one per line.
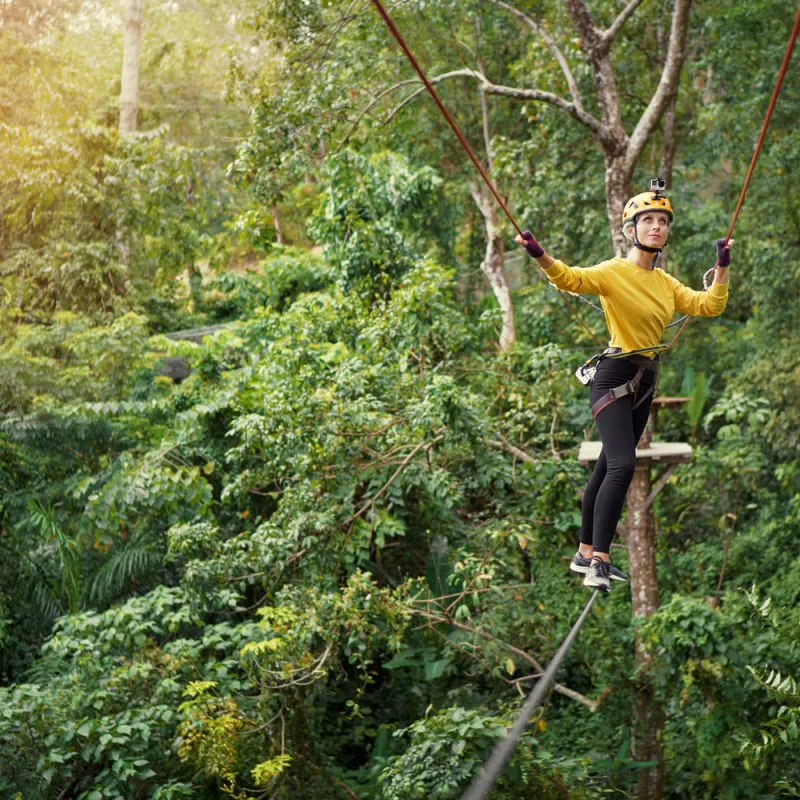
[637, 243]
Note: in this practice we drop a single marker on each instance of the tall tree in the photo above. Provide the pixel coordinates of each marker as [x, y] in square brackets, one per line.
[317, 34]
[129, 94]
[621, 149]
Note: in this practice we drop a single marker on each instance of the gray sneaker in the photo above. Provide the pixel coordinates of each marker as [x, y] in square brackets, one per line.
[599, 575]
[581, 564]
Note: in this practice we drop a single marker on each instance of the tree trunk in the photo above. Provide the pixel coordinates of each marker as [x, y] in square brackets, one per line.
[129, 99]
[668, 151]
[668, 160]
[492, 264]
[621, 151]
[129, 94]
[648, 716]
[618, 191]
[648, 728]
[276, 221]
[641, 546]
[195, 280]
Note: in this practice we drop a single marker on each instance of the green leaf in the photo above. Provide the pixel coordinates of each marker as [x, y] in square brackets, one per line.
[435, 669]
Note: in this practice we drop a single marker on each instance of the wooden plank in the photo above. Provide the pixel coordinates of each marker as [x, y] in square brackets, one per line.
[670, 402]
[665, 452]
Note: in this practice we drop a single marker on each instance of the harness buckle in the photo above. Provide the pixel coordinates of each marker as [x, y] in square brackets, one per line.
[586, 372]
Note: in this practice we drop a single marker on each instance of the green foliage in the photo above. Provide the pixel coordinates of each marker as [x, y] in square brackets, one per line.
[696, 388]
[70, 360]
[276, 283]
[326, 563]
[445, 750]
[64, 554]
[372, 214]
[101, 717]
[775, 741]
[95, 225]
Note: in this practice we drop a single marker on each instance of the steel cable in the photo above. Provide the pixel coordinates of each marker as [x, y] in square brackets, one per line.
[490, 771]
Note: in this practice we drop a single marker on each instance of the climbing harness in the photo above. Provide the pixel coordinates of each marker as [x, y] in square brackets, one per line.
[484, 781]
[629, 387]
[586, 373]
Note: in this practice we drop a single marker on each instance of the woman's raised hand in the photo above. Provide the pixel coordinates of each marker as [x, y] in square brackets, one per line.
[724, 252]
[530, 244]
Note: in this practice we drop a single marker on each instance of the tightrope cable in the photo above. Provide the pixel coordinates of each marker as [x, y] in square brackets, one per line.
[480, 787]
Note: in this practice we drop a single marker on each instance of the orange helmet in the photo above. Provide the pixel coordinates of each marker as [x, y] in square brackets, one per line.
[646, 201]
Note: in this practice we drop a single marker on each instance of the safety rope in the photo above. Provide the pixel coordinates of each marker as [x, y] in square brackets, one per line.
[429, 86]
[484, 781]
[767, 117]
[775, 92]
[465, 144]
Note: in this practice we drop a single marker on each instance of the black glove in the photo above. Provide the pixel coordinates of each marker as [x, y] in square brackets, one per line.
[532, 246]
[723, 253]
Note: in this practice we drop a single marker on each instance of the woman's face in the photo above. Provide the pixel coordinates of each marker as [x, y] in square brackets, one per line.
[652, 228]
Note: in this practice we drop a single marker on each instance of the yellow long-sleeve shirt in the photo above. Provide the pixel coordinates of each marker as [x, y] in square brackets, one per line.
[638, 303]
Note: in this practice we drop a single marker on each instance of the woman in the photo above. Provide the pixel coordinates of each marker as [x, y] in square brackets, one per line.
[639, 300]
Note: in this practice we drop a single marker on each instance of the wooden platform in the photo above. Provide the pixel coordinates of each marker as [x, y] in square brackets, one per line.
[663, 452]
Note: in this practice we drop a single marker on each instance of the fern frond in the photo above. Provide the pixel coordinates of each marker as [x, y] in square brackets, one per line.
[782, 687]
[786, 625]
[128, 564]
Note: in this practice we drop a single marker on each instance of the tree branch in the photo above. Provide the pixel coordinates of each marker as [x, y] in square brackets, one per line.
[571, 693]
[374, 499]
[487, 139]
[364, 111]
[591, 37]
[578, 114]
[397, 109]
[507, 447]
[552, 47]
[667, 86]
[616, 26]
[514, 92]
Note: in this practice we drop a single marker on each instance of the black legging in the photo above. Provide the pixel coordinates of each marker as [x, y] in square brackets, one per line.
[620, 426]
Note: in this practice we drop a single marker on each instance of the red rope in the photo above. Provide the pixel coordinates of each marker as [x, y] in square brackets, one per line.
[767, 117]
[775, 92]
[465, 144]
[429, 86]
